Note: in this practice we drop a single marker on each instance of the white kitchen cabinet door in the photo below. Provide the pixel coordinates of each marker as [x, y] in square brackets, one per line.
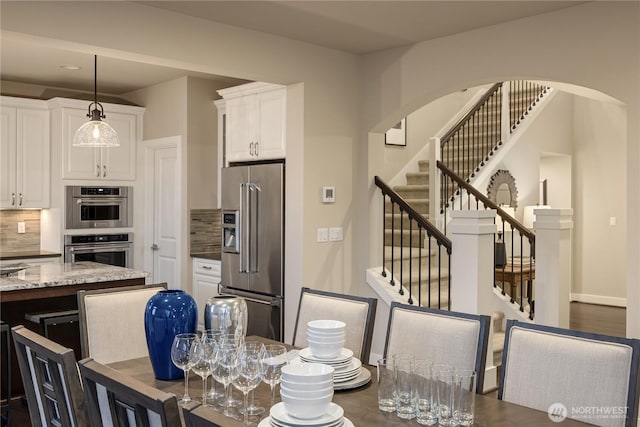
[271, 124]
[206, 277]
[33, 158]
[8, 157]
[25, 155]
[119, 162]
[241, 117]
[256, 126]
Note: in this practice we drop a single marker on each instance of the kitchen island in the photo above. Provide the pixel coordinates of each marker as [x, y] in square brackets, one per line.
[52, 287]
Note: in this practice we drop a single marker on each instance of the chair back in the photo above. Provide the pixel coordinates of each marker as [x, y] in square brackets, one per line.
[116, 399]
[594, 377]
[357, 312]
[112, 322]
[440, 336]
[51, 381]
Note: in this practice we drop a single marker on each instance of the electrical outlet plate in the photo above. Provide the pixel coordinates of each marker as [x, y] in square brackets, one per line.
[328, 194]
[21, 227]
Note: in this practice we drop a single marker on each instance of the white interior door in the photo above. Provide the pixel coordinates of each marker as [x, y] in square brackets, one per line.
[162, 203]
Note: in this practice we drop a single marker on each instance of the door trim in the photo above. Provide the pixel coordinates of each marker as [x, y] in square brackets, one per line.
[149, 147]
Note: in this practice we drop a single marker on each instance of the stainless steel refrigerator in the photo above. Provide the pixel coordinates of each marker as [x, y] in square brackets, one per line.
[253, 243]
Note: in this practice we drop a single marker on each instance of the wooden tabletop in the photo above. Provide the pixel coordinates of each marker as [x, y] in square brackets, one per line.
[360, 405]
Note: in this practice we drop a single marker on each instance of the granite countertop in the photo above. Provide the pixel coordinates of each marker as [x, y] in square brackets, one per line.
[18, 255]
[54, 274]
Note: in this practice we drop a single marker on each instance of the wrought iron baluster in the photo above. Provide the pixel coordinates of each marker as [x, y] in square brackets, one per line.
[410, 281]
[401, 284]
[384, 233]
[393, 244]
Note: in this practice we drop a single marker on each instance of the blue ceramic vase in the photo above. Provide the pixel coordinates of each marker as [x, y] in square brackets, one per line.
[168, 313]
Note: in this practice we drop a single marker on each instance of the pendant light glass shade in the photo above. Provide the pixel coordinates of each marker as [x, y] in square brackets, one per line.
[96, 133]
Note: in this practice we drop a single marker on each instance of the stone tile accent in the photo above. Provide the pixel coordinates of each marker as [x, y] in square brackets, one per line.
[10, 240]
[204, 232]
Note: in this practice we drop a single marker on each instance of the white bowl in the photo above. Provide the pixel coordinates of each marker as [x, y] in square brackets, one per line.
[306, 385]
[325, 350]
[306, 409]
[326, 326]
[327, 340]
[315, 334]
[307, 373]
[307, 394]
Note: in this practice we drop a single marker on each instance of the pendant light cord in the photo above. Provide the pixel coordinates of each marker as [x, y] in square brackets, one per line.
[95, 79]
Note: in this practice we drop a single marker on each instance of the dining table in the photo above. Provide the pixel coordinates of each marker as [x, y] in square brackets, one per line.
[359, 404]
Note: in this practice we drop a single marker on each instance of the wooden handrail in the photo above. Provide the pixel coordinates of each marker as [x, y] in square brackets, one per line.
[414, 215]
[464, 120]
[524, 231]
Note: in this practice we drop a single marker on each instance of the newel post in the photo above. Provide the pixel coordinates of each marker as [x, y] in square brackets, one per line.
[553, 266]
[472, 238]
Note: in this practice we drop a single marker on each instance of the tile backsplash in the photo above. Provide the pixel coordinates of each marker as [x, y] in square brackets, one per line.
[204, 230]
[10, 239]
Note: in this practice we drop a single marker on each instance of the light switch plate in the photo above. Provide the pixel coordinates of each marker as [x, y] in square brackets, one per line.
[323, 234]
[328, 194]
[335, 234]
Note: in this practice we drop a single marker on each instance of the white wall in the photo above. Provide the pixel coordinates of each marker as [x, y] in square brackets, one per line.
[600, 187]
[594, 45]
[557, 171]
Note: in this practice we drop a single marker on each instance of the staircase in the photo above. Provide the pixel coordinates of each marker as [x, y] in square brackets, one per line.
[415, 260]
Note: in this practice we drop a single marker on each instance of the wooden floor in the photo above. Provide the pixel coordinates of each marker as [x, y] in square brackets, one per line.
[583, 317]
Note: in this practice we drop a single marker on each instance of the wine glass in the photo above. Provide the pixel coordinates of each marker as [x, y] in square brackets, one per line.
[180, 351]
[227, 358]
[202, 360]
[237, 340]
[252, 408]
[213, 393]
[275, 357]
[247, 374]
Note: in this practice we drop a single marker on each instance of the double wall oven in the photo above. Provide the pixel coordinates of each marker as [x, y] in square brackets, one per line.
[106, 210]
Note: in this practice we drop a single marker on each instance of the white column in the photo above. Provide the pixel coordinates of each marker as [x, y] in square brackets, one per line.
[472, 265]
[553, 266]
[472, 237]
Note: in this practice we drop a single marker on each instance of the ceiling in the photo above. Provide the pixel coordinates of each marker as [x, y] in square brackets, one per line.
[357, 27]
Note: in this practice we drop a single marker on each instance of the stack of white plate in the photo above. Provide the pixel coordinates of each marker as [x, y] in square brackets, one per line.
[346, 367]
[333, 417]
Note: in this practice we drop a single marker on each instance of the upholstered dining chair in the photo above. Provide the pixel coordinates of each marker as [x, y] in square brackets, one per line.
[112, 322]
[443, 337]
[590, 377]
[357, 312]
[116, 399]
[51, 381]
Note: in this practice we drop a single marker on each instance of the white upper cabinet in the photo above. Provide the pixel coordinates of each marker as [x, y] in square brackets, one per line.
[112, 163]
[256, 118]
[24, 153]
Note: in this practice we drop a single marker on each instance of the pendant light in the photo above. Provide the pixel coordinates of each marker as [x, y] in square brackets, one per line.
[96, 133]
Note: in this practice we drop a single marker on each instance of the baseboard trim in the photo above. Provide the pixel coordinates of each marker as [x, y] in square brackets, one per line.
[599, 299]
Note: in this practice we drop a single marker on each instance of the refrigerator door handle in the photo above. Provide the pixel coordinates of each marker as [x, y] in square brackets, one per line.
[246, 225]
[254, 190]
[239, 229]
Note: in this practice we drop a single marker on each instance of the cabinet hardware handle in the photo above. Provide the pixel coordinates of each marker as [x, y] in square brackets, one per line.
[13, 199]
[97, 171]
[20, 203]
[256, 145]
[154, 247]
[104, 173]
[207, 267]
[251, 148]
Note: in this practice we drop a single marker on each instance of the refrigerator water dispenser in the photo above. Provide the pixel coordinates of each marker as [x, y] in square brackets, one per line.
[230, 237]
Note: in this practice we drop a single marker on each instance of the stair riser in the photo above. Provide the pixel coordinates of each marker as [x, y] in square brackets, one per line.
[418, 179]
[415, 239]
[413, 194]
[399, 221]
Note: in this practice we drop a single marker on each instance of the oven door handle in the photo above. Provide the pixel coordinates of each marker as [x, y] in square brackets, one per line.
[95, 202]
[103, 248]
